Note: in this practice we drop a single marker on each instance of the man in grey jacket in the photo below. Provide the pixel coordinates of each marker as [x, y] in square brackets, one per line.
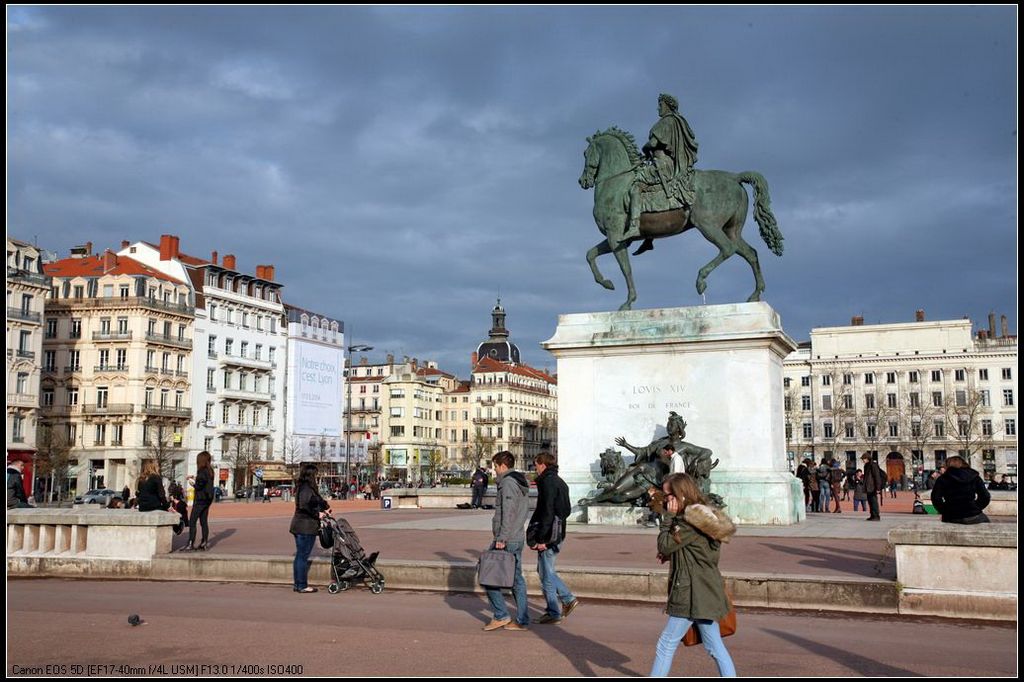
[511, 507]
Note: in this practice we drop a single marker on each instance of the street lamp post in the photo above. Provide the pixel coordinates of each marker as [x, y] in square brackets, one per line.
[348, 412]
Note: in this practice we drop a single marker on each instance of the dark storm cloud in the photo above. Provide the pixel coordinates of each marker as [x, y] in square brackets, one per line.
[402, 166]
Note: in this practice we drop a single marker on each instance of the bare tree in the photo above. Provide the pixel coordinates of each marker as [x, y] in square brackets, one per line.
[53, 459]
[790, 400]
[874, 420]
[164, 449]
[240, 455]
[965, 418]
[482, 446]
[916, 417]
[838, 408]
[292, 451]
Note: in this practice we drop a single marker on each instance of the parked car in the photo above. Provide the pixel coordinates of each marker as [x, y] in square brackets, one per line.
[242, 493]
[275, 491]
[98, 496]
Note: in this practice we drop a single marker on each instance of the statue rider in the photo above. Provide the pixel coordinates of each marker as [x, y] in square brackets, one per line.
[672, 152]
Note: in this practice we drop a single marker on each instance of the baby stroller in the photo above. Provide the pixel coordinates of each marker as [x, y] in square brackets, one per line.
[349, 562]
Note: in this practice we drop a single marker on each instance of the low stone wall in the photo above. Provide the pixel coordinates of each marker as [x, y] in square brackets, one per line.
[440, 498]
[86, 534]
[1004, 503]
[957, 571]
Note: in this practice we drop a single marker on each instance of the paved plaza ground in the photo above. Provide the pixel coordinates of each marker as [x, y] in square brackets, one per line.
[409, 633]
[401, 633]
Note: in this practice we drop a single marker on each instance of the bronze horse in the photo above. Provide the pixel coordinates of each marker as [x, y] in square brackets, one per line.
[611, 161]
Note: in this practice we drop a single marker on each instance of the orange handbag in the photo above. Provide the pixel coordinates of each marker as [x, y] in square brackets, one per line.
[726, 626]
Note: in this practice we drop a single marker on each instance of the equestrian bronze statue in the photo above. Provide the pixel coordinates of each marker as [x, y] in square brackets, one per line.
[657, 194]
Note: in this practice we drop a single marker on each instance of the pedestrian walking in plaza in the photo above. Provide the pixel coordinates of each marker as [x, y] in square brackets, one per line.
[202, 498]
[545, 534]
[812, 480]
[959, 494]
[823, 473]
[509, 528]
[836, 476]
[803, 472]
[479, 485]
[860, 495]
[691, 536]
[150, 494]
[872, 486]
[310, 507]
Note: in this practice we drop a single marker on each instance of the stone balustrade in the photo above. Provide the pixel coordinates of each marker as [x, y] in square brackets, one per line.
[85, 534]
[958, 571]
[1004, 503]
[441, 498]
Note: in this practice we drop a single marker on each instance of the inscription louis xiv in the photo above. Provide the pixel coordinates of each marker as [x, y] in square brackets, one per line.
[647, 392]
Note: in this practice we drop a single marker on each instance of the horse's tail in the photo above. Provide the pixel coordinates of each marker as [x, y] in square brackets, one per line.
[763, 211]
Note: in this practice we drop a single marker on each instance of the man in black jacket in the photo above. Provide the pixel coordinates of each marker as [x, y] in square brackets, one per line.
[479, 485]
[16, 496]
[872, 486]
[960, 494]
[545, 533]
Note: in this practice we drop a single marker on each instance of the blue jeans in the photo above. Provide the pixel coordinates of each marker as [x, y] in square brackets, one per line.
[669, 642]
[555, 591]
[862, 504]
[300, 567]
[826, 496]
[497, 599]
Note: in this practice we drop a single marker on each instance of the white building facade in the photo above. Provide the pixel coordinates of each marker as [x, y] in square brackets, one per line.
[908, 394]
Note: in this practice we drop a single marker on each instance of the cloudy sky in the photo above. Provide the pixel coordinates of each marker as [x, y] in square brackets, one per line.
[402, 167]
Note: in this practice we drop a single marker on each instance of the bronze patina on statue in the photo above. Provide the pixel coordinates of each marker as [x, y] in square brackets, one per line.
[659, 194]
[649, 468]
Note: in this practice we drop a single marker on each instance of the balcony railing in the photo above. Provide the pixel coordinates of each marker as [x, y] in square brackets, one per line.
[181, 373]
[110, 408]
[244, 428]
[488, 420]
[241, 394]
[122, 302]
[111, 368]
[26, 315]
[167, 340]
[29, 277]
[244, 361]
[22, 400]
[19, 353]
[165, 411]
[111, 336]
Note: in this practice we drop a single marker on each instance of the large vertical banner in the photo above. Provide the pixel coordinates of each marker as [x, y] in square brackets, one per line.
[317, 389]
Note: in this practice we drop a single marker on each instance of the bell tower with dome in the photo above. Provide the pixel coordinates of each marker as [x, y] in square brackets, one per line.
[498, 347]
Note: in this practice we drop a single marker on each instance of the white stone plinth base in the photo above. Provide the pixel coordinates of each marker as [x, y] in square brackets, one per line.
[719, 367]
[614, 515]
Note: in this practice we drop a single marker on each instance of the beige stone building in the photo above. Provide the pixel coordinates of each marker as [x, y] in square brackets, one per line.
[115, 369]
[909, 394]
[27, 287]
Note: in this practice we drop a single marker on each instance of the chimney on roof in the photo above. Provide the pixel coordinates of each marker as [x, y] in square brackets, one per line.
[109, 261]
[229, 261]
[363, 361]
[213, 257]
[88, 248]
[415, 362]
[1005, 326]
[259, 272]
[992, 326]
[982, 334]
[175, 246]
[125, 243]
[473, 359]
[919, 315]
[857, 320]
[168, 247]
[391, 359]
[268, 273]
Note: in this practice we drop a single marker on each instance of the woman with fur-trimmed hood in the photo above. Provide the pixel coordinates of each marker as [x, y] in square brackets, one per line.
[692, 533]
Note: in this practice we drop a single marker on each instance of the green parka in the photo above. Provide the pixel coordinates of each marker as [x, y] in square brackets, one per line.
[695, 587]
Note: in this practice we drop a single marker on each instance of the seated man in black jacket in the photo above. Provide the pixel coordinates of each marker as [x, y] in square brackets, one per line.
[960, 494]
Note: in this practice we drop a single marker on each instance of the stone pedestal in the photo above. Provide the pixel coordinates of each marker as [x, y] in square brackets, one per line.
[614, 515]
[719, 367]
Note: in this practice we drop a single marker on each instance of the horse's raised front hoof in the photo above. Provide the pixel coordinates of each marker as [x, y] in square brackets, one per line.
[607, 284]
